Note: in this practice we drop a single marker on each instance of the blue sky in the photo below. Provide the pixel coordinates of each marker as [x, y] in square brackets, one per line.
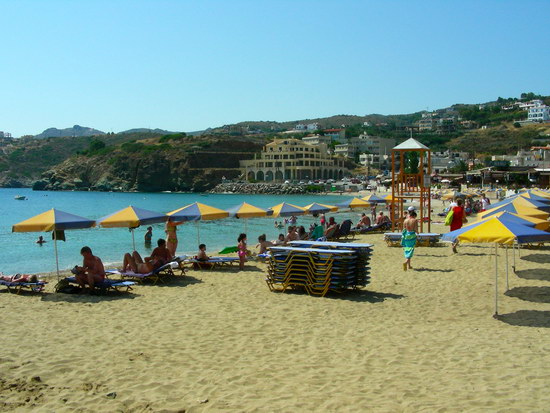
[188, 65]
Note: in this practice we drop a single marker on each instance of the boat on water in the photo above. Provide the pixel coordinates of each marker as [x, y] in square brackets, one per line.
[20, 197]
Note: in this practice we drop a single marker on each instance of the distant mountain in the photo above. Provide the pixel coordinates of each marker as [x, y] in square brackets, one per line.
[75, 131]
[148, 130]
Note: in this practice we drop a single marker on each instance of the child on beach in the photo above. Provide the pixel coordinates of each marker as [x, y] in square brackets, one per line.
[263, 244]
[202, 259]
[242, 250]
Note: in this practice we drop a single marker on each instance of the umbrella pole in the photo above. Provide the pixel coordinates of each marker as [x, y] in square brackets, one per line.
[56, 255]
[507, 285]
[245, 226]
[496, 281]
[198, 233]
[133, 239]
[514, 257]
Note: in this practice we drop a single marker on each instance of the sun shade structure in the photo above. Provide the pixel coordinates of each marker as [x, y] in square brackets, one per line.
[197, 212]
[53, 220]
[131, 217]
[286, 210]
[373, 199]
[316, 208]
[454, 194]
[498, 231]
[354, 203]
[539, 224]
[516, 209]
[522, 202]
[530, 196]
[246, 210]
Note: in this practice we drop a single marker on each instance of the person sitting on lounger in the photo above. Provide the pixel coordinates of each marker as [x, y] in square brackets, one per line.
[332, 227]
[292, 235]
[364, 222]
[20, 278]
[92, 270]
[382, 219]
[280, 240]
[263, 244]
[302, 234]
[202, 258]
[158, 258]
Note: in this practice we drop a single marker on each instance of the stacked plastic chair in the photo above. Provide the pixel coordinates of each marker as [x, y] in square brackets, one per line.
[319, 267]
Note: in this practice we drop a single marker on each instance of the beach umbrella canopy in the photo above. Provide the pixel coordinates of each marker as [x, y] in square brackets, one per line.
[131, 217]
[521, 210]
[316, 208]
[246, 210]
[540, 224]
[519, 200]
[454, 194]
[373, 199]
[540, 192]
[390, 199]
[531, 196]
[53, 220]
[354, 203]
[496, 230]
[197, 212]
[286, 210]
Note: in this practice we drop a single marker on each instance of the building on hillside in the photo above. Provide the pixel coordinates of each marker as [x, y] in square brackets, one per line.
[317, 139]
[469, 124]
[300, 127]
[366, 144]
[293, 159]
[5, 134]
[337, 135]
[446, 160]
[539, 114]
[313, 126]
[426, 123]
[531, 104]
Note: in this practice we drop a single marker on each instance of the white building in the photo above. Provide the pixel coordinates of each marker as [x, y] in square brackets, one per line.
[300, 126]
[313, 126]
[317, 139]
[531, 104]
[539, 114]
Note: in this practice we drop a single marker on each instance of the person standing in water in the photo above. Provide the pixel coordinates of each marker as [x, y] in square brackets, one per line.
[148, 236]
[408, 238]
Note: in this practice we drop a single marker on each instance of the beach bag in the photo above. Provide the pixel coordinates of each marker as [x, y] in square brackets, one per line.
[449, 217]
[64, 287]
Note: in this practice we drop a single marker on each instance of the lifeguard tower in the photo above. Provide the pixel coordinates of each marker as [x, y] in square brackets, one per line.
[411, 173]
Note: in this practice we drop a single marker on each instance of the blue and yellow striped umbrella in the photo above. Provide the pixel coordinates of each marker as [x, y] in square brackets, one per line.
[53, 220]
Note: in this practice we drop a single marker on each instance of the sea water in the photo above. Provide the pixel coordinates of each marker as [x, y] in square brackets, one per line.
[21, 254]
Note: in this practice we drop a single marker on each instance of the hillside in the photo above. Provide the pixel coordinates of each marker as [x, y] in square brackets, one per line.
[168, 163]
[75, 131]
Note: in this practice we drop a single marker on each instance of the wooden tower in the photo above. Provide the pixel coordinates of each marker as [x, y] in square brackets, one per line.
[411, 179]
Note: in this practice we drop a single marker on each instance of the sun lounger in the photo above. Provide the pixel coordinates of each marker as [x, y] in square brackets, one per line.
[213, 262]
[17, 287]
[161, 273]
[393, 239]
[108, 284]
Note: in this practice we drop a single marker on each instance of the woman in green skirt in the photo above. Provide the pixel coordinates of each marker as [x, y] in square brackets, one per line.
[408, 238]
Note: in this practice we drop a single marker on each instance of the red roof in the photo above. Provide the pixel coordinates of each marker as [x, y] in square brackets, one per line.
[332, 130]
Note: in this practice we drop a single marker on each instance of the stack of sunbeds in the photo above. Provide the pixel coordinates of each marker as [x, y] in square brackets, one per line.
[318, 267]
[393, 239]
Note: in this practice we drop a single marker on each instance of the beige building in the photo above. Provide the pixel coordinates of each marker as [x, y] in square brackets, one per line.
[293, 159]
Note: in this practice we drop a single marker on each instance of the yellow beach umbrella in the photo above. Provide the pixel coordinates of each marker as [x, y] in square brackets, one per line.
[354, 203]
[537, 223]
[519, 209]
[131, 217]
[53, 220]
[286, 210]
[197, 212]
[316, 208]
[245, 210]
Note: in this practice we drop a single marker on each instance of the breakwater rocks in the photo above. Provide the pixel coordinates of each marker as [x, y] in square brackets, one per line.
[263, 188]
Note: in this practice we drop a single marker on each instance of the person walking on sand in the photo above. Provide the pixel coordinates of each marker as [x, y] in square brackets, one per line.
[459, 218]
[408, 238]
[242, 250]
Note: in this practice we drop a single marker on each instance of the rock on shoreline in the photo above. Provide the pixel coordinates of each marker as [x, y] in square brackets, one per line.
[264, 188]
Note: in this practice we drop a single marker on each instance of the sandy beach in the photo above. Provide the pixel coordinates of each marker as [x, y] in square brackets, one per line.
[421, 340]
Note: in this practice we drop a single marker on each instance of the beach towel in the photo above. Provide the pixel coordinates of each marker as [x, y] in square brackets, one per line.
[408, 242]
[449, 217]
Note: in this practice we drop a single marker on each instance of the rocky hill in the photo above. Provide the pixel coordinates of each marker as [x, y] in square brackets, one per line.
[169, 163]
[75, 131]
